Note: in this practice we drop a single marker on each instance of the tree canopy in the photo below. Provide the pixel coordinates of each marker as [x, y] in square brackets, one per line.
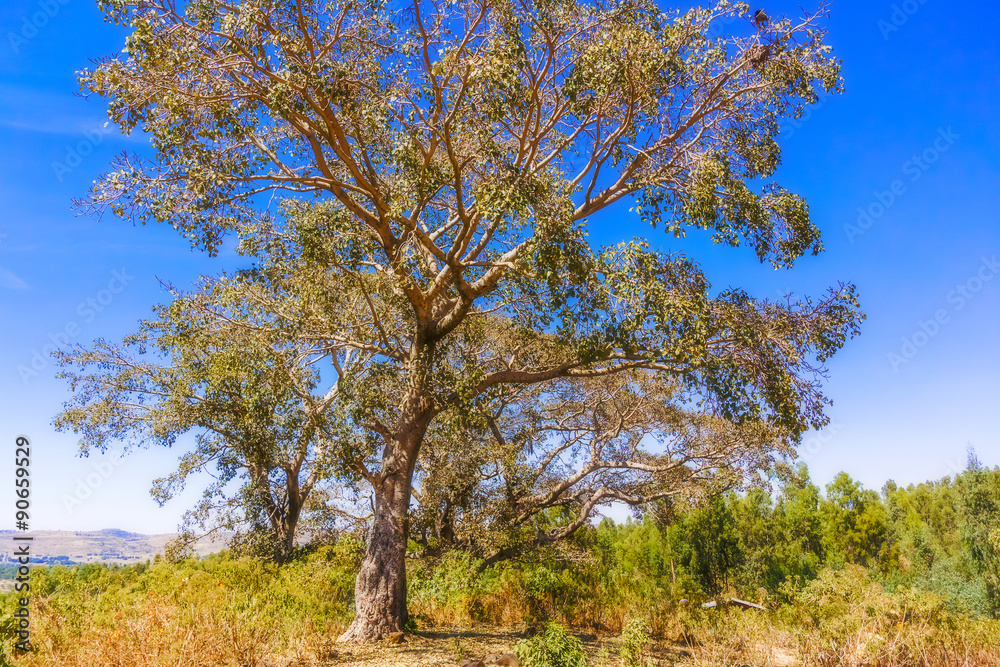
[216, 365]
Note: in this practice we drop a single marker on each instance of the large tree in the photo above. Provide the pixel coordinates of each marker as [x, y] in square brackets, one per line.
[460, 147]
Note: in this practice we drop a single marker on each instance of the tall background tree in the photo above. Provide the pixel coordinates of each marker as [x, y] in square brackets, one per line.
[266, 422]
[457, 150]
[576, 445]
[981, 528]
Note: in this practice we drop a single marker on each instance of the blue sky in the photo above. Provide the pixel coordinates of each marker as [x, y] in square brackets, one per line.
[913, 142]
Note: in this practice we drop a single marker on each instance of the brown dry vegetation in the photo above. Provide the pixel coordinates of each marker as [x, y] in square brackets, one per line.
[751, 640]
[162, 632]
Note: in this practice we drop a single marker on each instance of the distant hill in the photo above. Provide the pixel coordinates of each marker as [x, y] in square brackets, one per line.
[100, 546]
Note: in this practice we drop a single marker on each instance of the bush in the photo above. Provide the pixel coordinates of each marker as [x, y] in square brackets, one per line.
[635, 639]
[554, 647]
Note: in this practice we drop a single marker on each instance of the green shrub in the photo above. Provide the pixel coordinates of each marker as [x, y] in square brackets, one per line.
[635, 639]
[454, 583]
[554, 647]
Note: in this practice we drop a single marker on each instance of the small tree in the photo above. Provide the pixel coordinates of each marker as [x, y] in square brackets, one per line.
[980, 532]
[218, 366]
[856, 521]
[553, 647]
[458, 150]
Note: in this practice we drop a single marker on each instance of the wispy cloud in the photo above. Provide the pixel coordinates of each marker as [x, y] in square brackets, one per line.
[28, 109]
[9, 280]
[61, 126]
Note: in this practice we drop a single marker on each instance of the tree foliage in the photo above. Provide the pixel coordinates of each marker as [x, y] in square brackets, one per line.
[218, 366]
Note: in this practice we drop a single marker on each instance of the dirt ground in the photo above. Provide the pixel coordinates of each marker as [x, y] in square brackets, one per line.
[446, 647]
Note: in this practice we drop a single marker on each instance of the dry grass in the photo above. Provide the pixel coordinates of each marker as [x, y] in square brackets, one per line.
[157, 634]
[158, 640]
[160, 637]
[234, 614]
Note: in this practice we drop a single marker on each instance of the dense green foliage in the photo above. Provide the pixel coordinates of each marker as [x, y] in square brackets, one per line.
[553, 647]
[939, 537]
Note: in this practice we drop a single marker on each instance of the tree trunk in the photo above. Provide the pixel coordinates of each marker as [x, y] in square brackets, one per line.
[296, 499]
[380, 589]
[286, 536]
[443, 528]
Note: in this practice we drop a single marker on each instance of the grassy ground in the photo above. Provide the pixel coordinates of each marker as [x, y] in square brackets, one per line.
[738, 639]
[229, 612]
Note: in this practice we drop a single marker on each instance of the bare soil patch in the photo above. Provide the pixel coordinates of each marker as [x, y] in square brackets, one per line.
[447, 647]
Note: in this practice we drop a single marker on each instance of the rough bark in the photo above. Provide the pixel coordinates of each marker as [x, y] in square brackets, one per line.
[286, 532]
[380, 589]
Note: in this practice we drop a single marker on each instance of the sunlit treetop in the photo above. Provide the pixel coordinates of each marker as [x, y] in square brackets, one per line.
[467, 142]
